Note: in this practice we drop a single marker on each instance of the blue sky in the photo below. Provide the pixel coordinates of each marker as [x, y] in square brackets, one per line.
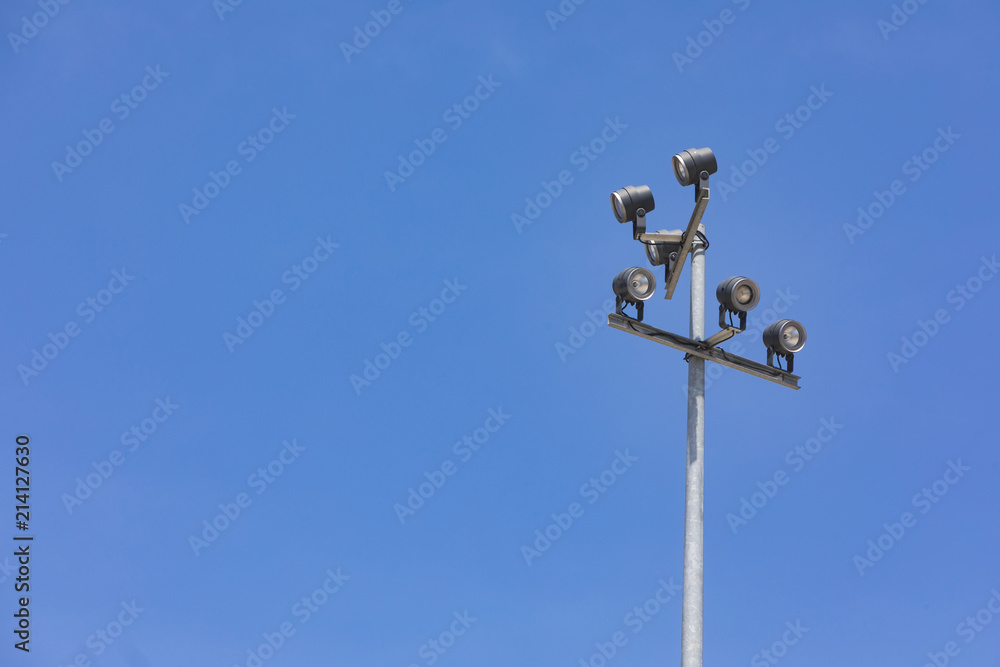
[219, 218]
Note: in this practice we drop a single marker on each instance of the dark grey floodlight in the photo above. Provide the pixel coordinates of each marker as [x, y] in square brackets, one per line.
[691, 167]
[660, 252]
[631, 204]
[784, 338]
[627, 202]
[633, 286]
[738, 294]
[689, 164]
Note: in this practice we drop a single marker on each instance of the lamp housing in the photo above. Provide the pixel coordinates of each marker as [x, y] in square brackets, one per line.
[785, 337]
[634, 284]
[658, 252]
[689, 164]
[738, 294]
[628, 201]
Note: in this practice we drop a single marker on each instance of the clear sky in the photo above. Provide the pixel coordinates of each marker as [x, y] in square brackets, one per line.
[304, 321]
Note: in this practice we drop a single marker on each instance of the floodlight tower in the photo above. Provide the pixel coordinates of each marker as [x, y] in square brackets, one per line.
[736, 296]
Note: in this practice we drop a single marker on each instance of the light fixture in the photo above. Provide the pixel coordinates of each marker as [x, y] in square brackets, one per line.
[633, 286]
[738, 294]
[689, 165]
[631, 202]
[784, 338]
[659, 252]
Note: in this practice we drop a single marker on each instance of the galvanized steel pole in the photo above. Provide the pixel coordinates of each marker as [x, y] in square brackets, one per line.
[694, 499]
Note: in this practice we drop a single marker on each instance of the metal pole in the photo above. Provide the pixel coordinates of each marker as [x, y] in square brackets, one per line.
[694, 499]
